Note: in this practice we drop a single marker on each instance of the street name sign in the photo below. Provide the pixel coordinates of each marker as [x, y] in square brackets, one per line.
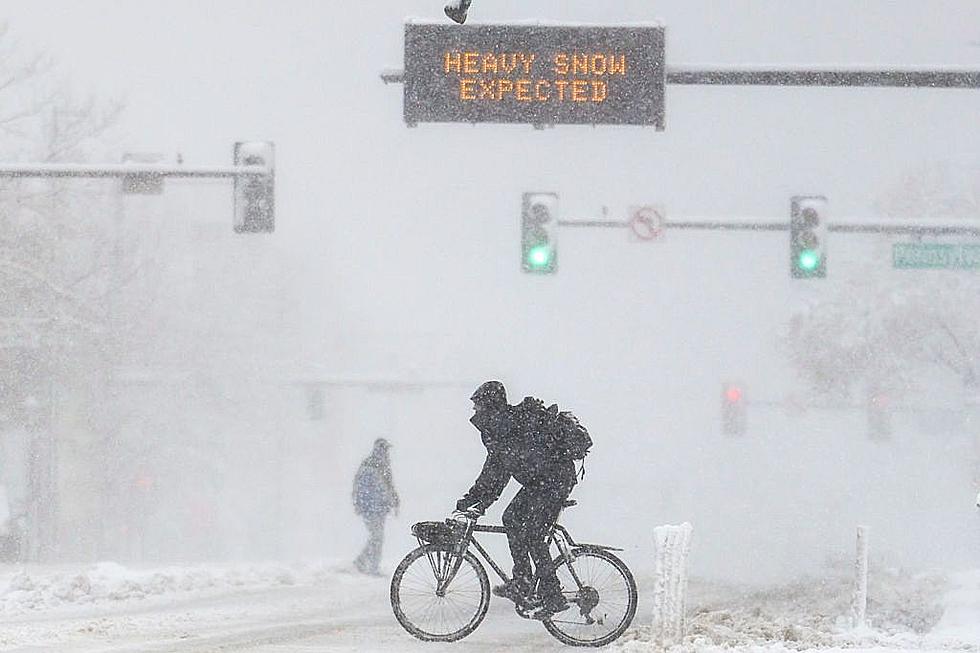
[936, 256]
[535, 74]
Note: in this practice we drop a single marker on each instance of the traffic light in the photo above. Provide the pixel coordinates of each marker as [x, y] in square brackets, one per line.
[879, 415]
[539, 233]
[255, 207]
[733, 411]
[808, 237]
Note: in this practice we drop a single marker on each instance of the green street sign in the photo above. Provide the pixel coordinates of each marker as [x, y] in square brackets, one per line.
[935, 256]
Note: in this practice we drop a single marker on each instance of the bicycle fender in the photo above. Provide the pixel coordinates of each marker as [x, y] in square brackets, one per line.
[594, 547]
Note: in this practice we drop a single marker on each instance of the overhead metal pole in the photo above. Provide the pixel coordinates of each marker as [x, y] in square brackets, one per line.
[119, 170]
[906, 229]
[705, 75]
[829, 77]
[253, 172]
[846, 225]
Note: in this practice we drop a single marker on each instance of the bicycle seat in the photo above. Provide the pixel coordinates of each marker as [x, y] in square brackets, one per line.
[569, 503]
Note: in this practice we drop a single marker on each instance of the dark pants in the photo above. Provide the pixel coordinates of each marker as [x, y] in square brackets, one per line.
[370, 556]
[529, 520]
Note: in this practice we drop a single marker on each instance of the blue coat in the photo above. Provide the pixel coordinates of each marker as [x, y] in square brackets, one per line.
[374, 492]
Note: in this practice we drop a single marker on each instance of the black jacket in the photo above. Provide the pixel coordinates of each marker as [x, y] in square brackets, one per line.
[515, 451]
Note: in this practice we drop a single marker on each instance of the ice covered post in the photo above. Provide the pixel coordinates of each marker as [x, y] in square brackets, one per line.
[859, 606]
[672, 545]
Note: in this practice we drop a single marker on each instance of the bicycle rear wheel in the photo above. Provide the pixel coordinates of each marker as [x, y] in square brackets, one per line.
[435, 616]
[602, 607]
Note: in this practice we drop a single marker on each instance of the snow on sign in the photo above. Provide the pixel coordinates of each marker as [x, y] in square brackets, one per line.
[535, 74]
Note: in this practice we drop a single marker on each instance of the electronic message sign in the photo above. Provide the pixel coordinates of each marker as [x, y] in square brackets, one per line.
[535, 74]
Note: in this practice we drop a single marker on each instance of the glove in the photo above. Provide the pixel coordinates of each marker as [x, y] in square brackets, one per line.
[466, 505]
[465, 511]
[462, 516]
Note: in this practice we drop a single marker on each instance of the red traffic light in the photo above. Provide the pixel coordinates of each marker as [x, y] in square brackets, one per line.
[733, 409]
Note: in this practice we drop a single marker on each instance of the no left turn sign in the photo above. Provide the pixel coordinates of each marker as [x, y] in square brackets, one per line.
[647, 222]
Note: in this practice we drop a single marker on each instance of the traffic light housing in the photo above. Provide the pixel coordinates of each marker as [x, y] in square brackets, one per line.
[255, 207]
[733, 409]
[539, 233]
[808, 237]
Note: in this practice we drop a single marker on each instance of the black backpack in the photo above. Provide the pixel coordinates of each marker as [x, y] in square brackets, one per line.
[573, 437]
[557, 431]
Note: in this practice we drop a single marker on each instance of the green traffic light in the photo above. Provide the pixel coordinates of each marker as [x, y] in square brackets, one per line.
[809, 260]
[539, 256]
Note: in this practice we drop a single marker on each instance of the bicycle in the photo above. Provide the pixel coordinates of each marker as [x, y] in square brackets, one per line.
[440, 592]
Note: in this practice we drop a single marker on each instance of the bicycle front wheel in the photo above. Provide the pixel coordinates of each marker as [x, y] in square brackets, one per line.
[603, 597]
[433, 615]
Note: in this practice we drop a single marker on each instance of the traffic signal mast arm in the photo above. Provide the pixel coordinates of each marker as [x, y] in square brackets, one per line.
[704, 75]
[925, 227]
[808, 226]
[86, 170]
[847, 75]
[253, 173]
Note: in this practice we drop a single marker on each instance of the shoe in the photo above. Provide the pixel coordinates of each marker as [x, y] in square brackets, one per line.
[550, 606]
[511, 591]
[363, 568]
[457, 12]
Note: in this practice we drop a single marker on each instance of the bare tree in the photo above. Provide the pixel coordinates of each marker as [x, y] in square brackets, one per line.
[883, 328]
[56, 281]
[44, 225]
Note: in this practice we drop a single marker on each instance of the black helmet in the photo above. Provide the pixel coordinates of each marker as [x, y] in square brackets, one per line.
[491, 393]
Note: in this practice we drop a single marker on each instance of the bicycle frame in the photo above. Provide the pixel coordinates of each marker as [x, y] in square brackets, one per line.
[560, 538]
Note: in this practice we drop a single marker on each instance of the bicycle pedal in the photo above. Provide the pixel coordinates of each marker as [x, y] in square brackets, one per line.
[528, 609]
[541, 615]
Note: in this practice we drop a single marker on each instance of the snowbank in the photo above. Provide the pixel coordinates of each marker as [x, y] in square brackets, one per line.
[24, 590]
[912, 612]
[961, 619]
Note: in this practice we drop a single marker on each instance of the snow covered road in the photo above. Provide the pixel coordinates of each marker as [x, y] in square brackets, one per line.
[301, 609]
[337, 612]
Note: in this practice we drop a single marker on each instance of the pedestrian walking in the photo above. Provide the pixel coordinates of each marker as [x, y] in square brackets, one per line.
[374, 497]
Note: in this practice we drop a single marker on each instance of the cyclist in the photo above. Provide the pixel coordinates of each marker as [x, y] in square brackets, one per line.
[514, 450]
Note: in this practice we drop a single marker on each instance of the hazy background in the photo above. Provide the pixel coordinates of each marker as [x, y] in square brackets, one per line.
[396, 259]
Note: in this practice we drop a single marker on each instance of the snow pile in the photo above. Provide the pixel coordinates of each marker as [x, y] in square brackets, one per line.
[810, 614]
[962, 616]
[25, 590]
